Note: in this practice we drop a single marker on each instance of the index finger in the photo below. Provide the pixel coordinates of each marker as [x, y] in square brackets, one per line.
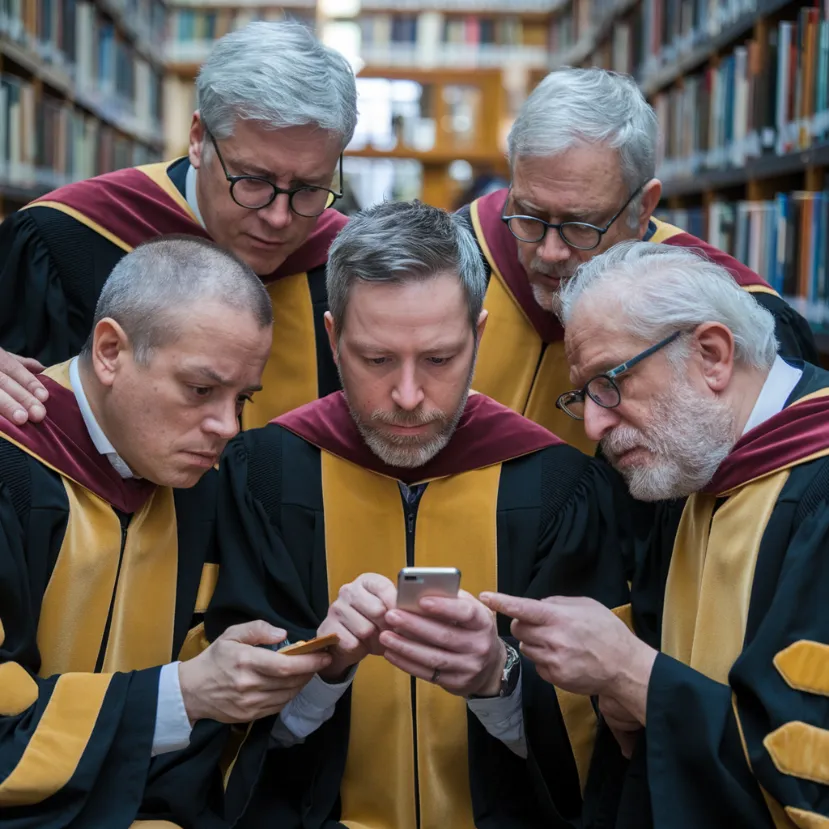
[17, 403]
[531, 611]
[381, 587]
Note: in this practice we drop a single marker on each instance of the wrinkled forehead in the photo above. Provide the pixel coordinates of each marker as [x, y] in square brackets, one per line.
[594, 339]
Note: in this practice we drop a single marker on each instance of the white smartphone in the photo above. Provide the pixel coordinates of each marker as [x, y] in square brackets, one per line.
[413, 583]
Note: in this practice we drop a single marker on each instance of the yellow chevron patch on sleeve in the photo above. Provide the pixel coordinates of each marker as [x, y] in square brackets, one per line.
[801, 750]
[807, 820]
[804, 665]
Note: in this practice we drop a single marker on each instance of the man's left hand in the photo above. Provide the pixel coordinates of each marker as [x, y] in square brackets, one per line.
[454, 643]
[580, 646]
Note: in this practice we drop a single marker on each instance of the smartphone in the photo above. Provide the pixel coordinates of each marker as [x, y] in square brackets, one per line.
[321, 643]
[415, 582]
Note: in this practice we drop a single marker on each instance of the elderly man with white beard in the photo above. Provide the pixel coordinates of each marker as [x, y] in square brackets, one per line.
[583, 154]
[724, 708]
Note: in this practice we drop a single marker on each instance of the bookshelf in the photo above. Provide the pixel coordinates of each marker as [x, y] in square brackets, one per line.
[80, 91]
[741, 90]
[467, 63]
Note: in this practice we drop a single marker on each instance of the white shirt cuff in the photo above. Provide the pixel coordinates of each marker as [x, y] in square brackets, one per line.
[503, 718]
[172, 725]
[309, 709]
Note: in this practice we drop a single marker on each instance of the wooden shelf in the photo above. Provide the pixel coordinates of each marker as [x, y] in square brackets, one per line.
[768, 167]
[60, 81]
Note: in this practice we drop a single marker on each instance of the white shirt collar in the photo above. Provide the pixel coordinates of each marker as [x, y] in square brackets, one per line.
[779, 385]
[190, 193]
[101, 441]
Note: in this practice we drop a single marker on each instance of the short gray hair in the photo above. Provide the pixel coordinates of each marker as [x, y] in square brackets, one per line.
[577, 107]
[397, 242]
[152, 287]
[658, 289]
[279, 75]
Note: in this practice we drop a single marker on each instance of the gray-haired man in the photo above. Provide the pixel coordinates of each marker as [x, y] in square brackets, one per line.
[583, 155]
[443, 724]
[276, 110]
[106, 522]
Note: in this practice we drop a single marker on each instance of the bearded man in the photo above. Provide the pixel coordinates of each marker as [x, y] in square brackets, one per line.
[722, 701]
[444, 723]
[583, 154]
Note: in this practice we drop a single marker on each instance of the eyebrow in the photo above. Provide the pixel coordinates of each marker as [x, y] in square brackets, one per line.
[261, 172]
[580, 214]
[217, 378]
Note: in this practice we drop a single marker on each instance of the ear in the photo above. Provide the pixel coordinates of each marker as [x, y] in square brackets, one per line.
[715, 346]
[332, 335]
[481, 326]
[110, 345]
[651, 193]
[197, 136]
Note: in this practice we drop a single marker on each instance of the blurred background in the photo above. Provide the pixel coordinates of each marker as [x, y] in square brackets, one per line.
[741, 88]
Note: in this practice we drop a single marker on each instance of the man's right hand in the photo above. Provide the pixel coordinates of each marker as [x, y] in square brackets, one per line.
[235, 682]
[358, 618]
[21, 394]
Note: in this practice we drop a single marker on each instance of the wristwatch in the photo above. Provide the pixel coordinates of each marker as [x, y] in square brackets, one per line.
[510, 674]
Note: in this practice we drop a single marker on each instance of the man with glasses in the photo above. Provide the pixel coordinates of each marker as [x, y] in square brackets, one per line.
[583, 156]
[722, 700]
[264, 167]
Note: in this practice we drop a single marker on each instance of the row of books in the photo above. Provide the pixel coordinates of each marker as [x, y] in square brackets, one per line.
[514, 6]
[769, 96]
[46, 142]
[91, 60]
[785, 240]
[433, 27]
[49, 26]
[432, 38]
[208, 24]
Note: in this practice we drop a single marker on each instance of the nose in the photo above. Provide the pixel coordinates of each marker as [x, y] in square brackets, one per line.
[223, 422]
[278, 213]
[408, 391]
[552, 248]
[598, 421]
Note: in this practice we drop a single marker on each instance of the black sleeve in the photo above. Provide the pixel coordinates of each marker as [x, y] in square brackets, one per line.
[73, 747]
[51, 274]
[752, 752]
[793, 333]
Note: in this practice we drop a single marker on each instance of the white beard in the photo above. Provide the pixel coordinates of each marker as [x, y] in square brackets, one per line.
[688, 437]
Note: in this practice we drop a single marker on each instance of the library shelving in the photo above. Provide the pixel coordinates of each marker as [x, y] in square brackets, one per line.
[80, 91]
[741, 90]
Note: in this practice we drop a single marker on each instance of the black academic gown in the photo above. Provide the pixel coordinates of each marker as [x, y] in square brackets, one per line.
[518, 326]
[101, 582]
[738, 701]
[56, 254]
[296, 521]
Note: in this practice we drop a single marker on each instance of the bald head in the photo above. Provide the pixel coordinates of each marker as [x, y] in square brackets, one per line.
[153, 288]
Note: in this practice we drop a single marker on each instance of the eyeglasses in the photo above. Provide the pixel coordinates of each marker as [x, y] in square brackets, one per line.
[578, 235]
[256, 192]
[602, 388]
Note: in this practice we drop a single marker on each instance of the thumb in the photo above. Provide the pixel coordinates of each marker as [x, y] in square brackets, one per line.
[255, 633]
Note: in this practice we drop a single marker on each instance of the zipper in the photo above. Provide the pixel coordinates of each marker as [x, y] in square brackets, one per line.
[124, 520]
[410, 508]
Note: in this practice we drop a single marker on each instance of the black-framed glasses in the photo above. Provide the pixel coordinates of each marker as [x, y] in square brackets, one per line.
[602, 389]
[256, 192]
[579, 235]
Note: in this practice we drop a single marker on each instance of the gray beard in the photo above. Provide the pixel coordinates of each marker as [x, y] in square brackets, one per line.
[689, 437]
